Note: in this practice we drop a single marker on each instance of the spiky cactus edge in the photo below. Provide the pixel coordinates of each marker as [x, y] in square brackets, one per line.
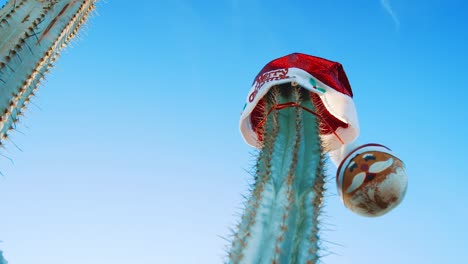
[280, 221]
[32, 34]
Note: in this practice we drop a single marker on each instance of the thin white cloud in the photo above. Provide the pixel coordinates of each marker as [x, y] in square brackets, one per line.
[388, 8]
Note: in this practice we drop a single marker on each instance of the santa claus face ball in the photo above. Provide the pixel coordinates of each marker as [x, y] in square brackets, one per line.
[371, 180]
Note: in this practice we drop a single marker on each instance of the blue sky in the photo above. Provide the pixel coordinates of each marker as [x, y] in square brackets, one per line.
[132, 154]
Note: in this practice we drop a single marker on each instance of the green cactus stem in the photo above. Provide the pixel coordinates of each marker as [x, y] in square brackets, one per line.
[32, 34]
[280, 223]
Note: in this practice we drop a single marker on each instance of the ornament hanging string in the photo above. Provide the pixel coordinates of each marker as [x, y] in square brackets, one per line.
[293, 104]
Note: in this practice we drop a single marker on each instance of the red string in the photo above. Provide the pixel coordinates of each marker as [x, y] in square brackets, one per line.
[292, 104]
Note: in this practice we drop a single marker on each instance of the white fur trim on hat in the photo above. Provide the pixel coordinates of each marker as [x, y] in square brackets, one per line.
[338, 104]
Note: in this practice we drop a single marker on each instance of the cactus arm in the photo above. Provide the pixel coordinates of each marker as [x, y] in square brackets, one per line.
[280, 221]
[32, 34]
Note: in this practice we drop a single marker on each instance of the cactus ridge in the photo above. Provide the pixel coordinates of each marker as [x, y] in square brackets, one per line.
[280, 223]
[263, 175]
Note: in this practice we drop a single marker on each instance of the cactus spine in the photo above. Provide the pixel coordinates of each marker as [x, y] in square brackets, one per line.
[32, 34]
[280, 221]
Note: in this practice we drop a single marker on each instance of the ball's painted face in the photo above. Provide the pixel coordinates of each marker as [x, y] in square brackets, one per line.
[374, 182]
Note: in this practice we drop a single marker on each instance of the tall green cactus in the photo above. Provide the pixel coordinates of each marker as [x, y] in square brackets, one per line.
[32, 34]
[280, 223]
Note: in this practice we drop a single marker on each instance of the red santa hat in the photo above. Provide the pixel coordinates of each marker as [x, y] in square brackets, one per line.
[329, 89]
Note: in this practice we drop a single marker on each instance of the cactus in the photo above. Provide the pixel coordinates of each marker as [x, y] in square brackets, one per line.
[32, 34]
[280, 223]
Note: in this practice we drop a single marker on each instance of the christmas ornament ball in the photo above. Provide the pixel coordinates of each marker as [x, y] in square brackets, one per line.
[371, 180]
